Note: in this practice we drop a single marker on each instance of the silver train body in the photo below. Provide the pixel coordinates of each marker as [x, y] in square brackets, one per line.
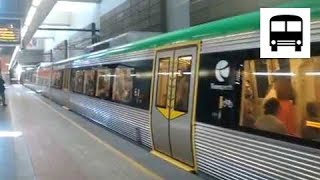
[220, 152]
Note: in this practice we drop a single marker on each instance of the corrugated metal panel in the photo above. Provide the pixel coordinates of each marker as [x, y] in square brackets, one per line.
[128, 121]
[228, 154]
[30, 86]
[59, 96]
[33, 87]
[46, 92]
[232, 42]
[135, 56]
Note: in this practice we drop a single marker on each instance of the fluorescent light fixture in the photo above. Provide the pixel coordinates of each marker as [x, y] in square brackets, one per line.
[13, 57]
[36, 2]
[187, 73]
[10, 133]
[313, 73]
[31, 13]
[19, 71]
[274, 73]
[164, 73]
[24, 31]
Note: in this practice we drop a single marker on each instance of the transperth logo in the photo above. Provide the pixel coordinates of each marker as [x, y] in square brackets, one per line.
[222, 70]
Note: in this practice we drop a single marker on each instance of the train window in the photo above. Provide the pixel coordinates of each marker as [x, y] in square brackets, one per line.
[163, 80]
[127, 83]
[291, 105]
[103, 89]
[77, 80]
[89, 82]
[57, 79]
[48, 73]
[123, 84]
[141, 83]
[183, 75]
[34, 77]
[73, 80]
[262, 81]
[66, 78]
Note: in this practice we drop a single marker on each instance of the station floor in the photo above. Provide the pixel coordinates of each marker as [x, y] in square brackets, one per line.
[41, 140]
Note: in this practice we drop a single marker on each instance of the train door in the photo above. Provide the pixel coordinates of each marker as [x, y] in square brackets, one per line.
[173, 102]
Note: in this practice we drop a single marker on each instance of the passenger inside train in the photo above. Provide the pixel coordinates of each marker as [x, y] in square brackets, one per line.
[282, 82]
[269, 121]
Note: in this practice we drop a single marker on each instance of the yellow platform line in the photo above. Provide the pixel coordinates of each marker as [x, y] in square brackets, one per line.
[108, 146]
[172, 161]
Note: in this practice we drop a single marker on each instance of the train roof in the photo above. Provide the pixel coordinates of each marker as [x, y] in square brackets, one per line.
[232, 25]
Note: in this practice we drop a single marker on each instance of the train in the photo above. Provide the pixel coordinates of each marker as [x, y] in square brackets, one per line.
[196, 97]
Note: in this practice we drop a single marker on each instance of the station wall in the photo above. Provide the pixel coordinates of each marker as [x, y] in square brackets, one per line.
[133, 15]
[202, 11]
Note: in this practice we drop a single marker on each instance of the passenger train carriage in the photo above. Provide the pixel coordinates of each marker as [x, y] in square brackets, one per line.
[202, 98]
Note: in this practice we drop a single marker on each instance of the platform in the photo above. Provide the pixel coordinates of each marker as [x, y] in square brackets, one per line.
[41, 140]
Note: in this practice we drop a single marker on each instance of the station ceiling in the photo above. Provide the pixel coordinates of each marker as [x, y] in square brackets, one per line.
[12, 9]
[18, 9]
[93, 1]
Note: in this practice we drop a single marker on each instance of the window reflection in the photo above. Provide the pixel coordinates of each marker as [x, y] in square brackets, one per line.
[163, 80]
[89, 82]
[66, 78]
[182, 83]
[123, 84]
[57, 79]
[128, 83]
[291, 103]
[78, 76]
[103, 83]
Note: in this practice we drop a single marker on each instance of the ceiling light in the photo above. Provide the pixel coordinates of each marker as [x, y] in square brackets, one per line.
[36, 2]
[19, 70]
[31, 13]
[10, 133]
[274, 73]
[13, 57]
[312, 73]
[24, 31]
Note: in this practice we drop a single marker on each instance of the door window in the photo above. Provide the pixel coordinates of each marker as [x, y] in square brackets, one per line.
[163, 80]
[183, 75]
